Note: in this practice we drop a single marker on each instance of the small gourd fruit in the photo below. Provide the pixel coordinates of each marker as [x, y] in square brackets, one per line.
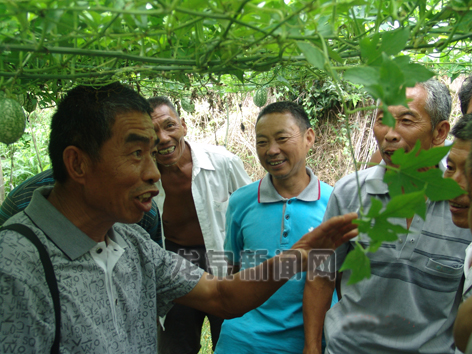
[12, 120]
[260, 97]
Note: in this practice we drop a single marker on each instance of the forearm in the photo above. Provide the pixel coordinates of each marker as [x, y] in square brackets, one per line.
[463, 324]
[248, 289]
[317, 298]
[251, 287]
[235, 295]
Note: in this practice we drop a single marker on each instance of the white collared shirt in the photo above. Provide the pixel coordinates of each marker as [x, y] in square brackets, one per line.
[216, 174]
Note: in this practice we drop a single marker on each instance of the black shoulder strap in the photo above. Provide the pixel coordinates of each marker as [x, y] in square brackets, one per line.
[50, 276]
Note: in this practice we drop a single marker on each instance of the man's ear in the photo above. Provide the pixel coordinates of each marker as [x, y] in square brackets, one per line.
[184, 125]
[440, 132]
[76, 162]
[310, 138]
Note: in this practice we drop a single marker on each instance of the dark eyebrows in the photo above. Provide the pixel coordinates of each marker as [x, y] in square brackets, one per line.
[131, 138]
[281, 131]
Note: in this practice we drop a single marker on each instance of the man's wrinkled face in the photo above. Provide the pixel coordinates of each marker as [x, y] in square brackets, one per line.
[171, 131]
[120, 186]
[282, 146]
[456, 169]
[411, 124]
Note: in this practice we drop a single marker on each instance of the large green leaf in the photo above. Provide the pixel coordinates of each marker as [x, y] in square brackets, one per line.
[358, 263]
[407, 178]
[312, 54]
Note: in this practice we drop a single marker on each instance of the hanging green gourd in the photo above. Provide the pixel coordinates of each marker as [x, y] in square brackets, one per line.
[12, 121]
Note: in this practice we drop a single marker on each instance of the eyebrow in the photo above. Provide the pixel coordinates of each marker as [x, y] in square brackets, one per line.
[136, 137]
[281, 131]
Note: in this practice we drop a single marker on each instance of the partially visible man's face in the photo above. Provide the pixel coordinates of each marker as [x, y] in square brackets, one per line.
[411, 124]
[282, 146]
[469, 108]
[171, 132]
[456, 169]
[120, 186]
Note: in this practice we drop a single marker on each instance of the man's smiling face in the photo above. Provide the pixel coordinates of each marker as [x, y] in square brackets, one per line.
[171, 131]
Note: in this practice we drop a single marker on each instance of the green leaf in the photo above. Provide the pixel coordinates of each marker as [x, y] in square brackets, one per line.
[335, 56]
[413, 73]
[388, 119]
[358, 263]
[369, 49]
[375, 207]
[312, 54]
[383, 231]
[406, 206]
[407, 178]
[394, 41]
[392, 81]
[366, 76]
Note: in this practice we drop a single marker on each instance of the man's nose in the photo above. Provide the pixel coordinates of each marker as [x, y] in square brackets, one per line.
[163, 136]
[392, 134]
[274, 148]
[461, 179]
[151, 172]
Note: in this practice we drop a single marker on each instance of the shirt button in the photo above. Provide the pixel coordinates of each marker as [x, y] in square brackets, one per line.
[99, 250]
[287, 216]
[289, 202]
[412, 240]
[400, 241]
[285, 234]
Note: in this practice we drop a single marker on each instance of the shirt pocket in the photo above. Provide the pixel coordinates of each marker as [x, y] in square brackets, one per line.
[444, 268]
[220, 214]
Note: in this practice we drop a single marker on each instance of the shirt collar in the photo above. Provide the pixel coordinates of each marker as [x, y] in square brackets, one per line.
[200, 159]
[374, 182]
[268, 194]
[65, 235]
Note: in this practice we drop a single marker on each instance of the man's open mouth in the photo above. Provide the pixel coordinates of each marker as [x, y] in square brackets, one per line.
[145, 197]
[275, 163]
[166, 151]
[459, 206]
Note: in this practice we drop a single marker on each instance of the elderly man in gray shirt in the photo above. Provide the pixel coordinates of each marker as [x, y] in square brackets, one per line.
[409, 303]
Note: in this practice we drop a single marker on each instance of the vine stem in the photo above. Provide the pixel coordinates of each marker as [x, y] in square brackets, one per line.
[346, 119]
[12, 165]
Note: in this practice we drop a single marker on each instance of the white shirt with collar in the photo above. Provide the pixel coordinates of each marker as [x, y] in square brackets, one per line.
[216, 174]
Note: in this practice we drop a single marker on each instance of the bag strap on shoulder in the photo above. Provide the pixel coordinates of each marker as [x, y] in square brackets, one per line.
[50, 276]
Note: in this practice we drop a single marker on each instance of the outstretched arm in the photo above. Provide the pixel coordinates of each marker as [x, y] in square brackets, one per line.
[317, 298]
[463, 325]
[233, 296]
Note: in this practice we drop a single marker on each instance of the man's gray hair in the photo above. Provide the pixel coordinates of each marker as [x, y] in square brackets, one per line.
[438, 101]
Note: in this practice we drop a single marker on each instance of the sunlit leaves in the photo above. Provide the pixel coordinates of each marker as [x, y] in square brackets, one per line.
[411, 177]
[312, 54]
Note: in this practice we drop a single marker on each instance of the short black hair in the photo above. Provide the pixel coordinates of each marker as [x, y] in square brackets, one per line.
[463, 128]
[465, 94]
[296, 110]
[85, 119]
[158, 101]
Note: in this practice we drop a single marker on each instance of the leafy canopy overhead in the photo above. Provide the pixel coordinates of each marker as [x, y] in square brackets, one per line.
[56, 44]
[46, 47]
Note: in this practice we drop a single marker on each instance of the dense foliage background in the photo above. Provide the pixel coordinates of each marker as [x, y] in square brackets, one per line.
[330, 55]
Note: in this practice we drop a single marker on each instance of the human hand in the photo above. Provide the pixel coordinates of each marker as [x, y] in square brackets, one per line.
[330, 234]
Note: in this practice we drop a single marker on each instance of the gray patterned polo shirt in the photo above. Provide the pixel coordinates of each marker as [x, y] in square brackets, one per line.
[111, 295]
